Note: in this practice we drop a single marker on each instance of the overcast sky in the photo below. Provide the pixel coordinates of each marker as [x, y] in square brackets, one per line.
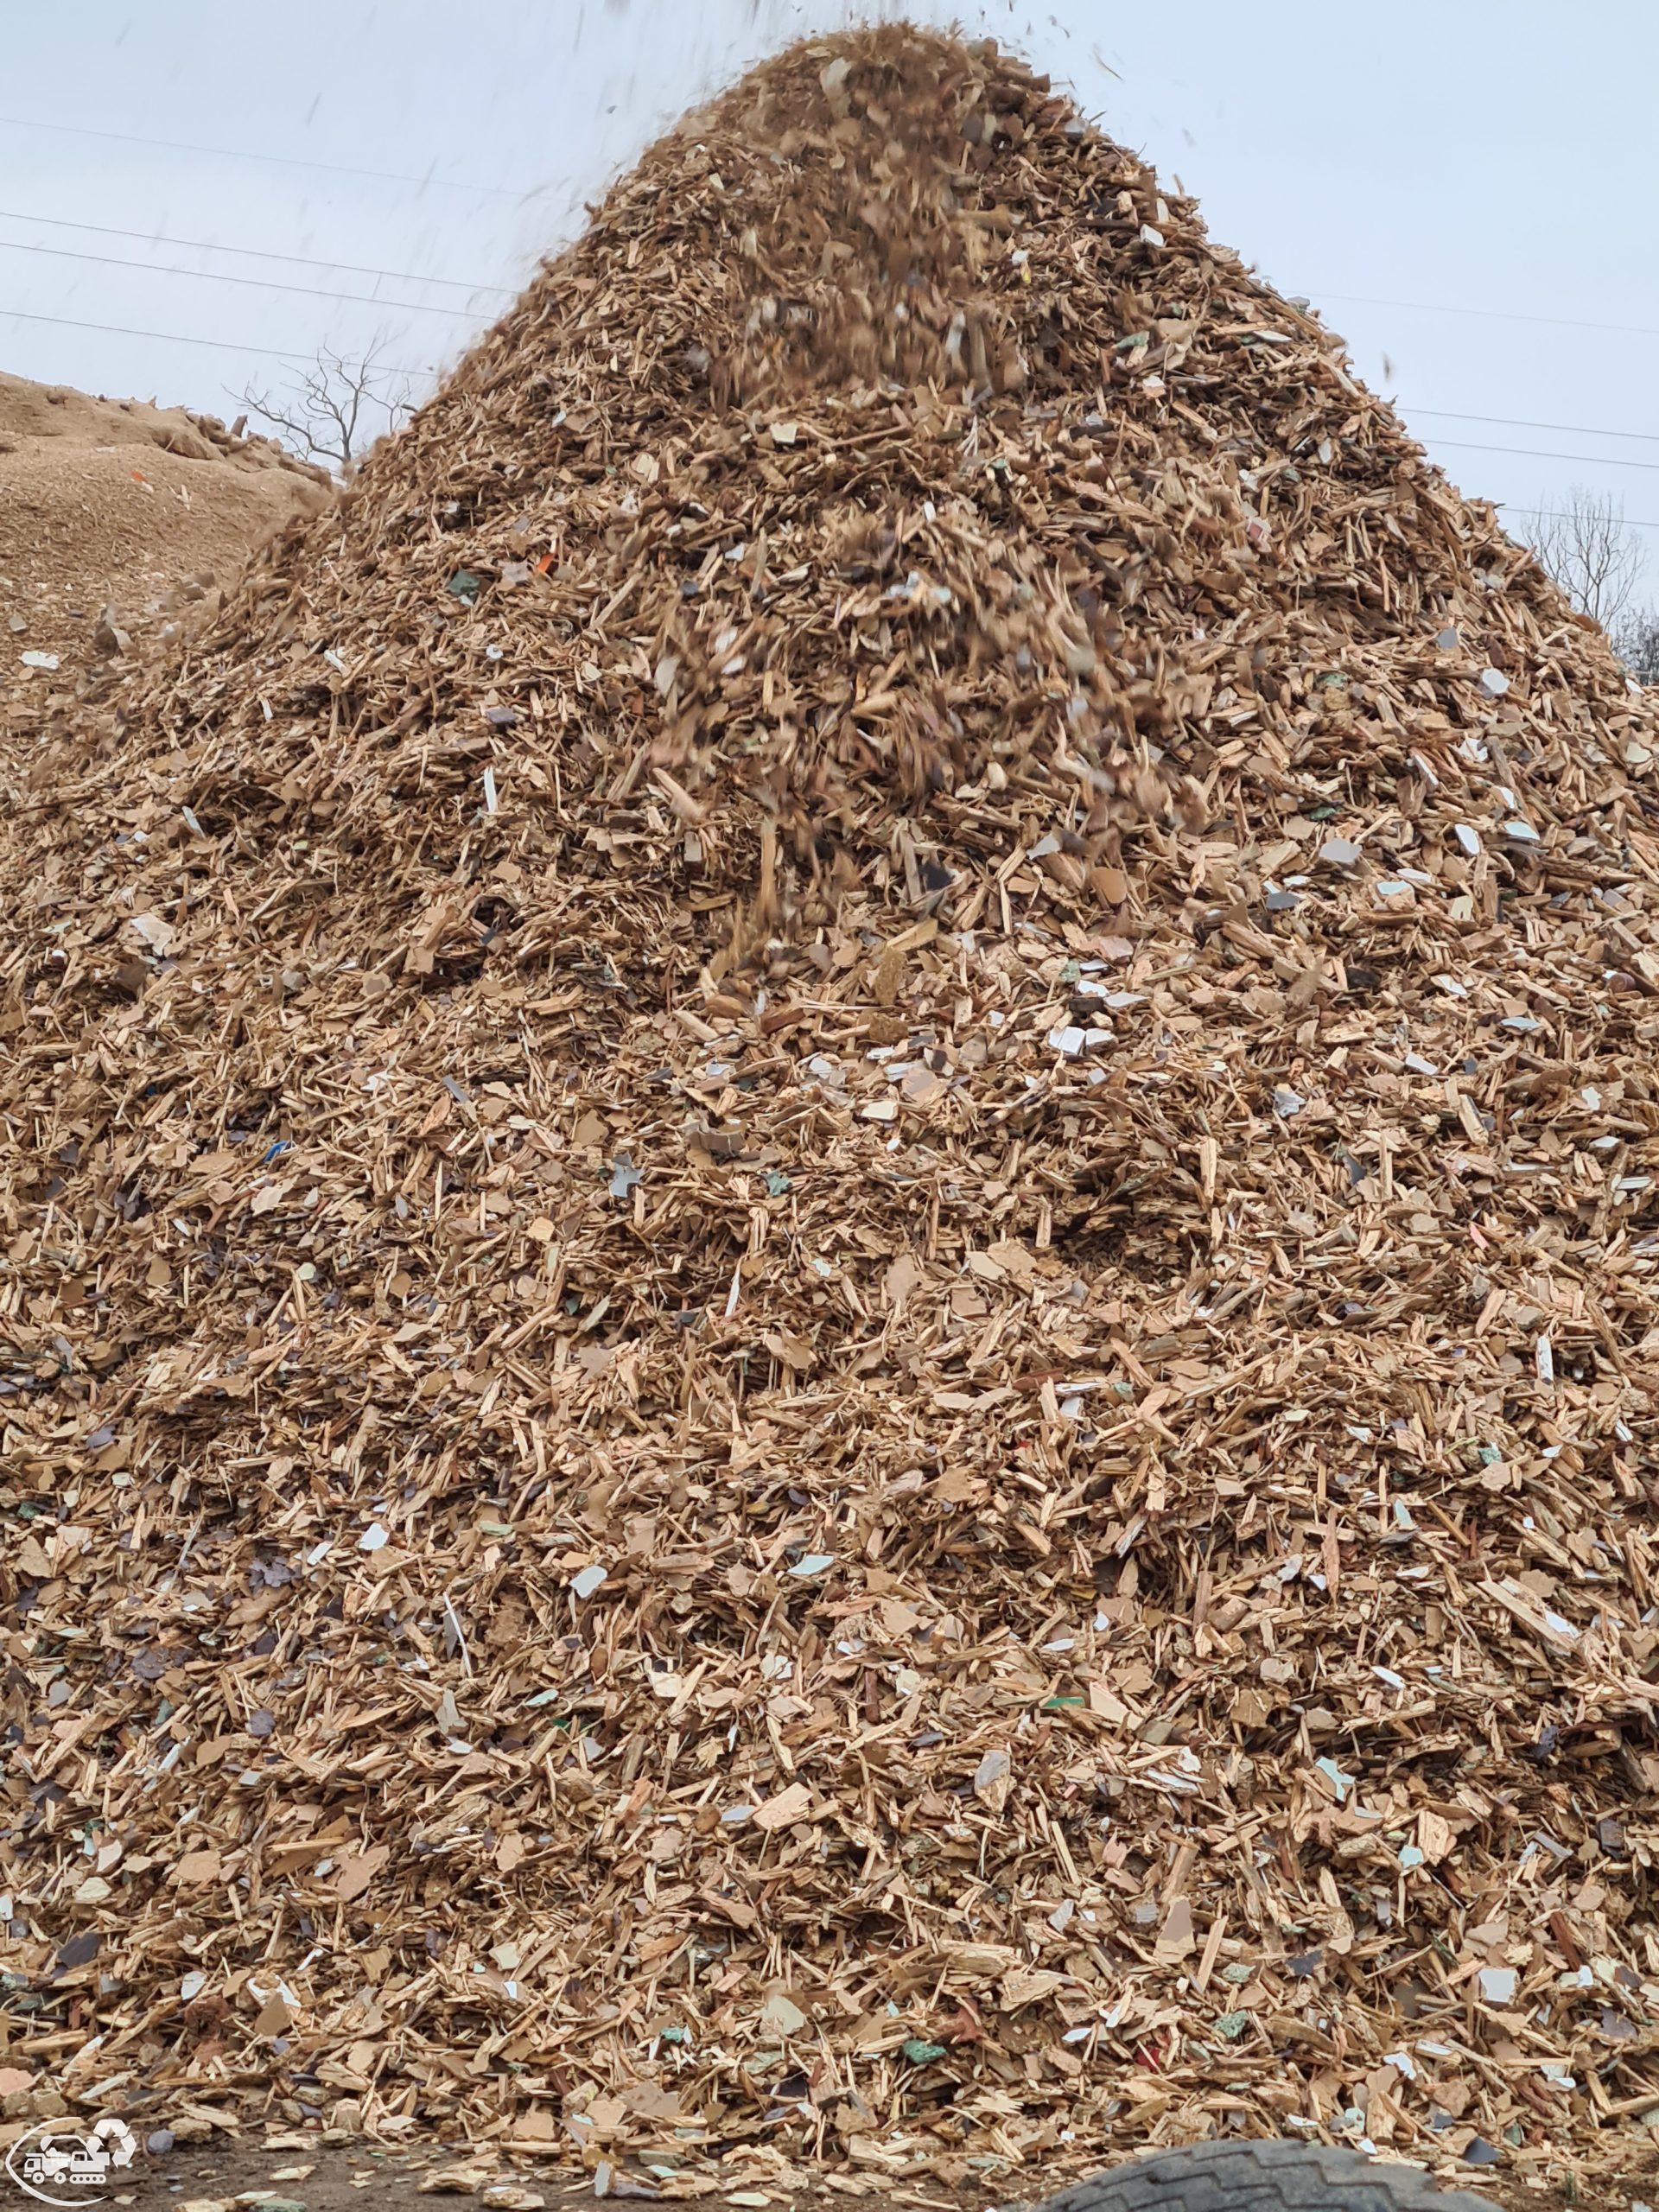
[1465, 188]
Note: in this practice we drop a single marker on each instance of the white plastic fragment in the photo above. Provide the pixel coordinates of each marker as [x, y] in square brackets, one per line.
[1074, 1042]
[1341, 1783]
[157, 934]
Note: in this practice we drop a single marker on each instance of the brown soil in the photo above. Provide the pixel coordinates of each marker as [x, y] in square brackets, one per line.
[115, 502]
[333, 2178]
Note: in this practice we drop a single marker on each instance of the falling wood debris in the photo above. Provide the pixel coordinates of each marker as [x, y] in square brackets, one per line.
[830, 1232]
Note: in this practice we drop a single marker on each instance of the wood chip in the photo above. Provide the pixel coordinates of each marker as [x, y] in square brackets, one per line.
[601, 1414]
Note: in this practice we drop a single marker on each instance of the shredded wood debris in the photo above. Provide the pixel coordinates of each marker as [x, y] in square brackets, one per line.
[830, 1230]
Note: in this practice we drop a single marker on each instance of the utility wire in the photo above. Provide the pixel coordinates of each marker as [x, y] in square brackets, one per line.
[292, 355]
[281, 160]
[270, 352]
[1539, 452]
[1492, 314]
[223, 277]
[505, 291]
[1521, 423]
[1461, 445]
[255, 253]
[508, 192]
[1554, 514]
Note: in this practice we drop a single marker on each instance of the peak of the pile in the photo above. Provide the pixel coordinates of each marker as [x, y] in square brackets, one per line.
[830, 1227]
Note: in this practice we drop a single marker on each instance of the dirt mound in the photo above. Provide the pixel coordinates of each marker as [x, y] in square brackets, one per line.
[112, 504]
[831, 1224]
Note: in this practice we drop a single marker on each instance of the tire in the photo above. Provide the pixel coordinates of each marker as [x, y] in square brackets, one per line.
[1283, 2177]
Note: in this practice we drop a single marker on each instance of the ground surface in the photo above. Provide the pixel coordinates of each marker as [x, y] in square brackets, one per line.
[337, 2178]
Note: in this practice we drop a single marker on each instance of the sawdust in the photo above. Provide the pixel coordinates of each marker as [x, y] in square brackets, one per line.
[115, 502]
[830, 1215]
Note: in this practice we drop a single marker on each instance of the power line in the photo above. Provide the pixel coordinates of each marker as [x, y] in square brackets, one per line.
[293, 357]
[506, 291]
[281, 160]
[508, 192]
[416, 307]
[223, 277]
[270, 352]
[1494, 314]
[274, 353]
[1554, 514]
[1520, 422]
[1537, 452]
[256, 253]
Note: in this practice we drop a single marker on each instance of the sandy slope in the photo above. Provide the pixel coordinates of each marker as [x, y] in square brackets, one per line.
[116, 501]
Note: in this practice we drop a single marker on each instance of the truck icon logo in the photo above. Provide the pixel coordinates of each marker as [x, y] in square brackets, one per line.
[58, 2165]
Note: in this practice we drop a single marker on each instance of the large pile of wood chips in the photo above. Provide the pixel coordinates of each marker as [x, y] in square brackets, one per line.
[830, 1228]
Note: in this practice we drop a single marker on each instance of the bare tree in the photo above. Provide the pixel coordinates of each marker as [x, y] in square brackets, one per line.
[1592, 553]
[333, 411]
[1637, 640]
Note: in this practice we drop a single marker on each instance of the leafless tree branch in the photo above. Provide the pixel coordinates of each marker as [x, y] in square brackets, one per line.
[1592, 553]
[333, 411]
[1638, 642]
